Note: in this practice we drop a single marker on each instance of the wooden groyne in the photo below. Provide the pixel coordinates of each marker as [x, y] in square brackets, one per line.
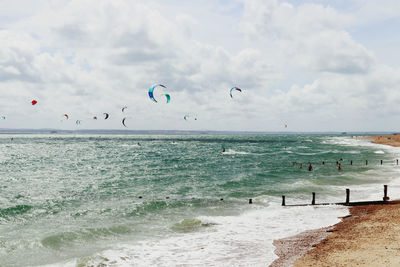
[341, 161]
[384, 201]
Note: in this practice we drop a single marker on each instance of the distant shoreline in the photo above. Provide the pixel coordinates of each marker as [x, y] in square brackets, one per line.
[171, 132]
[390, 140]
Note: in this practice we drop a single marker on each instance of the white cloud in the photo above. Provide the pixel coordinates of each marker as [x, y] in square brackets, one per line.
[89, 57]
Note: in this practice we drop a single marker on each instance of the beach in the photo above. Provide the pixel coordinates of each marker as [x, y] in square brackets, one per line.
[366, 237]
[369, 237]
[391, 140]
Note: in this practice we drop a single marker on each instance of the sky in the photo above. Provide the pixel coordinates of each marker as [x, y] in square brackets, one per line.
[312, 65]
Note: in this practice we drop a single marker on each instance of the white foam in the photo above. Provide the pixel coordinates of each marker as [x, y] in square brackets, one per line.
[233, 152]
[388, 174]
[246, 240]
[234, 241]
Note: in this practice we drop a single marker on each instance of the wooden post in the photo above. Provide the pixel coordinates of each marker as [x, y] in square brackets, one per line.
[313, 198]
[351, 162]
[250, 201]
[366, 162]
[385, 197]
[283, 201]
[381, 162]
[397, 161]
[347, 196]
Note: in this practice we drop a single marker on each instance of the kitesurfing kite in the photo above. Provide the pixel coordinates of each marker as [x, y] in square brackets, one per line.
[187, 117]
[123, 122]
[168, 97]
[234, 89]
[123, 109]
[3, 117]
[34, 102]
[78, 122]
[66, 116]
[95, 118]
[106, 115]
[151, 90]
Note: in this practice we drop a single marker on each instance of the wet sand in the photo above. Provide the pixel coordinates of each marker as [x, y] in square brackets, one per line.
[367, 237]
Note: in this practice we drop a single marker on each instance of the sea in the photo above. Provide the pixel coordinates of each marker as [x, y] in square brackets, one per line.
[176, 200]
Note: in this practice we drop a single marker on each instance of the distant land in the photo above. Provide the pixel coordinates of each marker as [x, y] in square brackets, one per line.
[168, 132]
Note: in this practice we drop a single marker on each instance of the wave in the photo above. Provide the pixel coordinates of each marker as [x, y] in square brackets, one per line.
[313, 153]
[233, 152]
[65, 239]
[14, 211]
[227, 235]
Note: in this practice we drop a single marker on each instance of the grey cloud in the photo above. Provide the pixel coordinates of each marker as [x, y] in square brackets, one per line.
[71, 32]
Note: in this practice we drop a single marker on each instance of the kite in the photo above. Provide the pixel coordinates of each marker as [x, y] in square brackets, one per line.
[187, 117]
[78, 122]
[168, 98]
[66, 116]
[234, 89]
[95, 118]
[123, 122]
[3, 117]
[123, 109]
[151, 95]
[34, 102]
[106, 115]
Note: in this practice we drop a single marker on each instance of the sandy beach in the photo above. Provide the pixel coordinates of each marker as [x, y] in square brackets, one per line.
[367, 237]
[391, 140]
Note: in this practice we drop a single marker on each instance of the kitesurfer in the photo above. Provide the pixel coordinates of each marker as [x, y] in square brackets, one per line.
[309, 167]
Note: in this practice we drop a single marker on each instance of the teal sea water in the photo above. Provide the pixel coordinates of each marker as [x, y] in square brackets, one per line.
[145, 200]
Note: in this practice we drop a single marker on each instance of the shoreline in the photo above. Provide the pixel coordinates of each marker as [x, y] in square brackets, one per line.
[345, 243]
[368, 236]
[390, 140]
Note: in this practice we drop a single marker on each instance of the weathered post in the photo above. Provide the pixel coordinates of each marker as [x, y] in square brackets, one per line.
[283, 201]
[351, 162]
[385, 197]
[250, 201]
[381, 162]
[366, 162]
[313, 198]
[397, 161]
[347, 196]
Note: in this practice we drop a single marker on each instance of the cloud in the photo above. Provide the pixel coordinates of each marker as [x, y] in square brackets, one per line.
[312, 36]
[296, 64]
